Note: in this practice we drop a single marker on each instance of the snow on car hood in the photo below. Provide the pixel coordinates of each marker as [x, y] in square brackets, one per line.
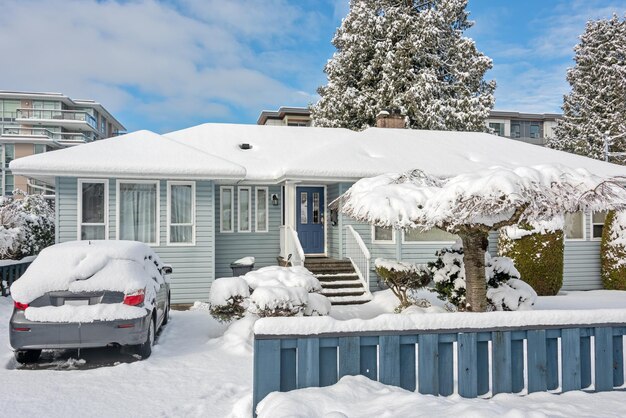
[89, 266]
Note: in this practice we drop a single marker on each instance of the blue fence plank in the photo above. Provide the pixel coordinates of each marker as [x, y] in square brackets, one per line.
[603, 345]
[501, 362]
[369, 361]
[349, 356]
[266, 369]
[537, 361]
[570, 359]
[517, 364]
[585, 362]
[288, 369]
[482, 355]
[467, 365]
[308, 362]
[618, 360]
[390, 360]
[428, 374]
[328, 366]
[408, 379]
[446, 368]
[552, 363]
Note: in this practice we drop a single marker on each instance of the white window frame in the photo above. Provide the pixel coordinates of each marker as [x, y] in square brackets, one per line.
[79, 218]
[267, 209]
[158, 208]
[249, 190]
[592, 225]
[405, 241]
[232, 209]
[389, 242]
[584, 238]
[193, 213]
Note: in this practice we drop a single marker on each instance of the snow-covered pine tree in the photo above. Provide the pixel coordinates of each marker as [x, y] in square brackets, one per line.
[597, 103]
[407, 54]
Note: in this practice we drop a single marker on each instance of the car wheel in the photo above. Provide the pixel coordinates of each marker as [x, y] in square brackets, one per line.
[145, 349]
[166, 313]
[27, 356]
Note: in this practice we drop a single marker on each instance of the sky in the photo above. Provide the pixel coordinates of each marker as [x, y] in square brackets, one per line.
[170, 64]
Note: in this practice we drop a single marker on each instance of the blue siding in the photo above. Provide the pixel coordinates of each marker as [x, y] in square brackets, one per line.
[581, 266]
[193, 265]
[264, 246]
[334, 231]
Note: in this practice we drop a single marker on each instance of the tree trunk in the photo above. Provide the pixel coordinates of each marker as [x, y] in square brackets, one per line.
[475, 243]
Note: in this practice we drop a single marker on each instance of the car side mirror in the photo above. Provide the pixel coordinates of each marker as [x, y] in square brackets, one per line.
[166, 269]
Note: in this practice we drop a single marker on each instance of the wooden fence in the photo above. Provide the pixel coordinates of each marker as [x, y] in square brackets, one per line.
[487, 359]
[9, 273]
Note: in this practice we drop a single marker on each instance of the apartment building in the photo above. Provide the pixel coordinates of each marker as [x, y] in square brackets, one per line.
[533, 128]
[32, 123]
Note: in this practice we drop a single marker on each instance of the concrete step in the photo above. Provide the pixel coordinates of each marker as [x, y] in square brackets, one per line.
[330, 293]
[330, 271]
[342, 285]
[349, 300]
[340, 277]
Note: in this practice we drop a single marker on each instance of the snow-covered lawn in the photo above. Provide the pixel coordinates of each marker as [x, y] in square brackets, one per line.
[197, 369]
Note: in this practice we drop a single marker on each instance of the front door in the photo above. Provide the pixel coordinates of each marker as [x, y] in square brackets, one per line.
[310, 219]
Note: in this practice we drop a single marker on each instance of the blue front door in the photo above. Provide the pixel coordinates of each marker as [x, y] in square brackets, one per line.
[310, 218]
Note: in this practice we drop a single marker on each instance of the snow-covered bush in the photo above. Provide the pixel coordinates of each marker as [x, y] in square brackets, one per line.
[505, 290]
[229, 298]
[613, 251]
[283, 276]
[537, 252]
[269, 291]
[402, 277]
[26, 225]
[278, 301]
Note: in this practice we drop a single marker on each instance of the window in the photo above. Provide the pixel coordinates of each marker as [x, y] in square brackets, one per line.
[226, 209]
[244, 214]
[432, 235]
[9, 154]
[597, 224]
[261, 209]
[516, 130]
[304, 208]
[9, 183]
[574, 227]
[138, 211]
[316, 209]
[382, 234]
[93, 209]
[534, 130]
[39, 148]
[498, 128]
[181, 205]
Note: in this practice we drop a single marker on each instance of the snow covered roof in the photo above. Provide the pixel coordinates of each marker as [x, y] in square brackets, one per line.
[213, 151]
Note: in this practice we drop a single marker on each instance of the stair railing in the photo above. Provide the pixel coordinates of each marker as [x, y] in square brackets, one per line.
[357, 252]
[290, 246]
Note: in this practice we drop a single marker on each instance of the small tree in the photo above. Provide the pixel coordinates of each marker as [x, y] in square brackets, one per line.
[613, 251]
[402, 277]
[472, 205]
[538, 255]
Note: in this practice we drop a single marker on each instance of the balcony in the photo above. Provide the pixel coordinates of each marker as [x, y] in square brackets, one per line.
[64, 118]
[42, 135]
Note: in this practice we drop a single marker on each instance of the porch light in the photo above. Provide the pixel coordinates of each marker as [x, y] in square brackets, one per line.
[274, 200]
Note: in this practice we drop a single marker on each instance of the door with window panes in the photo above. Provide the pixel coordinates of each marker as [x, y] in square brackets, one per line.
[310, 219]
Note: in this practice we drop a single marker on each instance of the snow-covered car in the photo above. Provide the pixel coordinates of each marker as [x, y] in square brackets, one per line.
[84, 294]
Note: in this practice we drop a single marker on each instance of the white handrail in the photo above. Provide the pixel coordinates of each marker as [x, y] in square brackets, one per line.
[357, 252]
[290, 246]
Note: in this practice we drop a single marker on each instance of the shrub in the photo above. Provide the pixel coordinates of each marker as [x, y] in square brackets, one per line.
[228, 298]
[505, 292]
[402, 277]
[613, 251]
[318, 305]
[278, 301]
[538, 255]
[26, 225]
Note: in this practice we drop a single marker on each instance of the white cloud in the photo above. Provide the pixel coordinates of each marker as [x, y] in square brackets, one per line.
[193, 60]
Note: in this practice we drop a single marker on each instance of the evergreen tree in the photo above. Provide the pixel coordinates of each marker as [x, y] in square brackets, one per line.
[406, 54]
[596, 105]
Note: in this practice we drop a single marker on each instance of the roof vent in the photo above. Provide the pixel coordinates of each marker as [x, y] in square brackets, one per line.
[245, 146]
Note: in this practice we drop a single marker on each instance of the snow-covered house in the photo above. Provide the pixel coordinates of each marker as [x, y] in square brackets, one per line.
[211, 194]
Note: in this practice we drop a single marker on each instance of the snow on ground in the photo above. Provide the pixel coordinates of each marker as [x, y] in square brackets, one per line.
[358, 396]
[198, 369]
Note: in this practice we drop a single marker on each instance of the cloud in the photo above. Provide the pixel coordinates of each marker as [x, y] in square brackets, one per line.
[193, 60]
